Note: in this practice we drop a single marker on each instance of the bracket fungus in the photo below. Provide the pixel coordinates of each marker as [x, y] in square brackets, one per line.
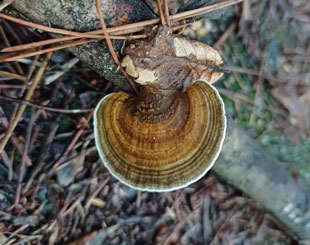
[169, 134]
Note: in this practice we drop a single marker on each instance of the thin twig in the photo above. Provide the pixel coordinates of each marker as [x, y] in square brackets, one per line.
[32, 66]
[65, 111]
[62, 46]
[258, 94]
[252, 73]
[49, 29]
[8, 163]
[22, 228]
[160, 12]
[40, 159]
[85, 153]
[109, 43]
[74, 140]
[17, 38]
[203, 10]
[13, 75]
[67, 45]
[242, 97]
[225, 35]
[21, 109]
[62, 70]
[19, 147]
[14, 140]
[24, 157]
[11, 86]
[8, 44]
[179, 226]
[37, 44]
[118, 30]
[96, 192]
[10, 68]
[61, 39]
[72, 207]
[167, 13]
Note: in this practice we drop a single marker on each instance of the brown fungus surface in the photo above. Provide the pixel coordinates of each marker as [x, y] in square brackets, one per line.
[170, 134]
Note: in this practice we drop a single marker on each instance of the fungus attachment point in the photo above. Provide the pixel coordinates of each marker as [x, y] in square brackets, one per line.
[171, 133]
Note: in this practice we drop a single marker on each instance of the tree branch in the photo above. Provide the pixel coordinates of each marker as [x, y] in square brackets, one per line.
[244, 164]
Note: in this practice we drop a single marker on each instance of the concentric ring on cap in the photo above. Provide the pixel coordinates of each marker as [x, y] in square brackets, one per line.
[165, 154]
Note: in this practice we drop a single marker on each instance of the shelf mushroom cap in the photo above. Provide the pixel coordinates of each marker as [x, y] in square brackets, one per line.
[153, 147]
[170, 134]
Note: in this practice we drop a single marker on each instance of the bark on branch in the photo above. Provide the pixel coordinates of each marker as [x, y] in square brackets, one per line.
[243, 163]
[82, 16]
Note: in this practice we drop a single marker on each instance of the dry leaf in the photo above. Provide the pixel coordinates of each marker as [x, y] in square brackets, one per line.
[52, 239]
[85, 239]
[66, 175]
[298, 107]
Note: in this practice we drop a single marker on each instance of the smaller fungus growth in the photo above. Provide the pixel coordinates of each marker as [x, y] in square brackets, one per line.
[169, 134]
